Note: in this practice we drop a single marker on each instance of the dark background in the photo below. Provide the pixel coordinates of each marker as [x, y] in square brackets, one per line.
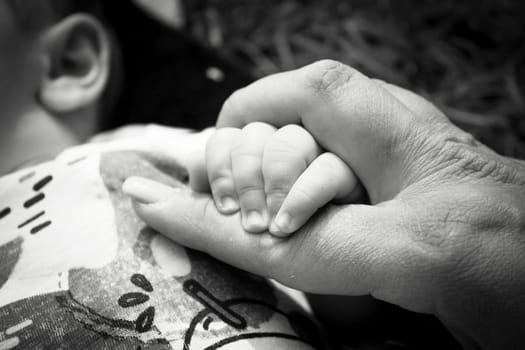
[468, 57]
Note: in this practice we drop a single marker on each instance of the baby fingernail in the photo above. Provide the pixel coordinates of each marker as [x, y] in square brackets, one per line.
[274, 229]
[255, 221]
[146, 191]
[228, 205]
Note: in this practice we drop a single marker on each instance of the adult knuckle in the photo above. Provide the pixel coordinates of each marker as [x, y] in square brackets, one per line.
[327, 76]
[447, 153]
[466, 161]
[488, 221]
[449, 235]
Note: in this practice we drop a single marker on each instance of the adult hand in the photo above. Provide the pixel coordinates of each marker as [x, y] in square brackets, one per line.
[445, 233]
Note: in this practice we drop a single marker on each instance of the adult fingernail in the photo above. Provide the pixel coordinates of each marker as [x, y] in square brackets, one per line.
[255, 221]
[228, 205]
[147, 191]
[281, 224]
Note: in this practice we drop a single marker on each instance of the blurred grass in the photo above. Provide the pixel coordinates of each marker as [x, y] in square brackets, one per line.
[468, 57]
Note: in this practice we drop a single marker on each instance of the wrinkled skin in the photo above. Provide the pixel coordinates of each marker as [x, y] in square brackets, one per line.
[445, 231]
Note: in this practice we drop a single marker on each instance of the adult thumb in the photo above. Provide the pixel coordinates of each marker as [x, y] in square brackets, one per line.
[357, 118]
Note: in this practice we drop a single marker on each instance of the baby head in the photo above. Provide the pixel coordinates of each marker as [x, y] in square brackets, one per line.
[55, 71]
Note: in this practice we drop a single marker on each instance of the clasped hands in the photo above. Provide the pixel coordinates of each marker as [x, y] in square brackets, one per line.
[444, 232]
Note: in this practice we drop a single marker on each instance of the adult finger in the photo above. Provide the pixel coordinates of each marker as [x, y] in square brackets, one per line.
[350, 250]
[286, 155]
[246, 158]
[219, 169]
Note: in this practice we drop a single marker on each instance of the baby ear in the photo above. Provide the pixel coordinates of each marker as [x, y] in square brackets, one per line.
[77, 55]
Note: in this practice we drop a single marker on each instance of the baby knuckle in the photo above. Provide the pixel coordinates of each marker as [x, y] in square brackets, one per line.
[277, 191]
[282, 169]
[219, 172]
[246, 167]
[258, 127]
[221, 180]
[278, 149]
[277, 188]
[239, 150]
[294, 132]
[280, 153]
[283, 160]
[247, 188]
[292, 128]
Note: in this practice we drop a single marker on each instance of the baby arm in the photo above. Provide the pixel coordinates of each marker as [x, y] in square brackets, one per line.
[277, 178]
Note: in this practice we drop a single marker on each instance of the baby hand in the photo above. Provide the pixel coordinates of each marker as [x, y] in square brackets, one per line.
[277, 178]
